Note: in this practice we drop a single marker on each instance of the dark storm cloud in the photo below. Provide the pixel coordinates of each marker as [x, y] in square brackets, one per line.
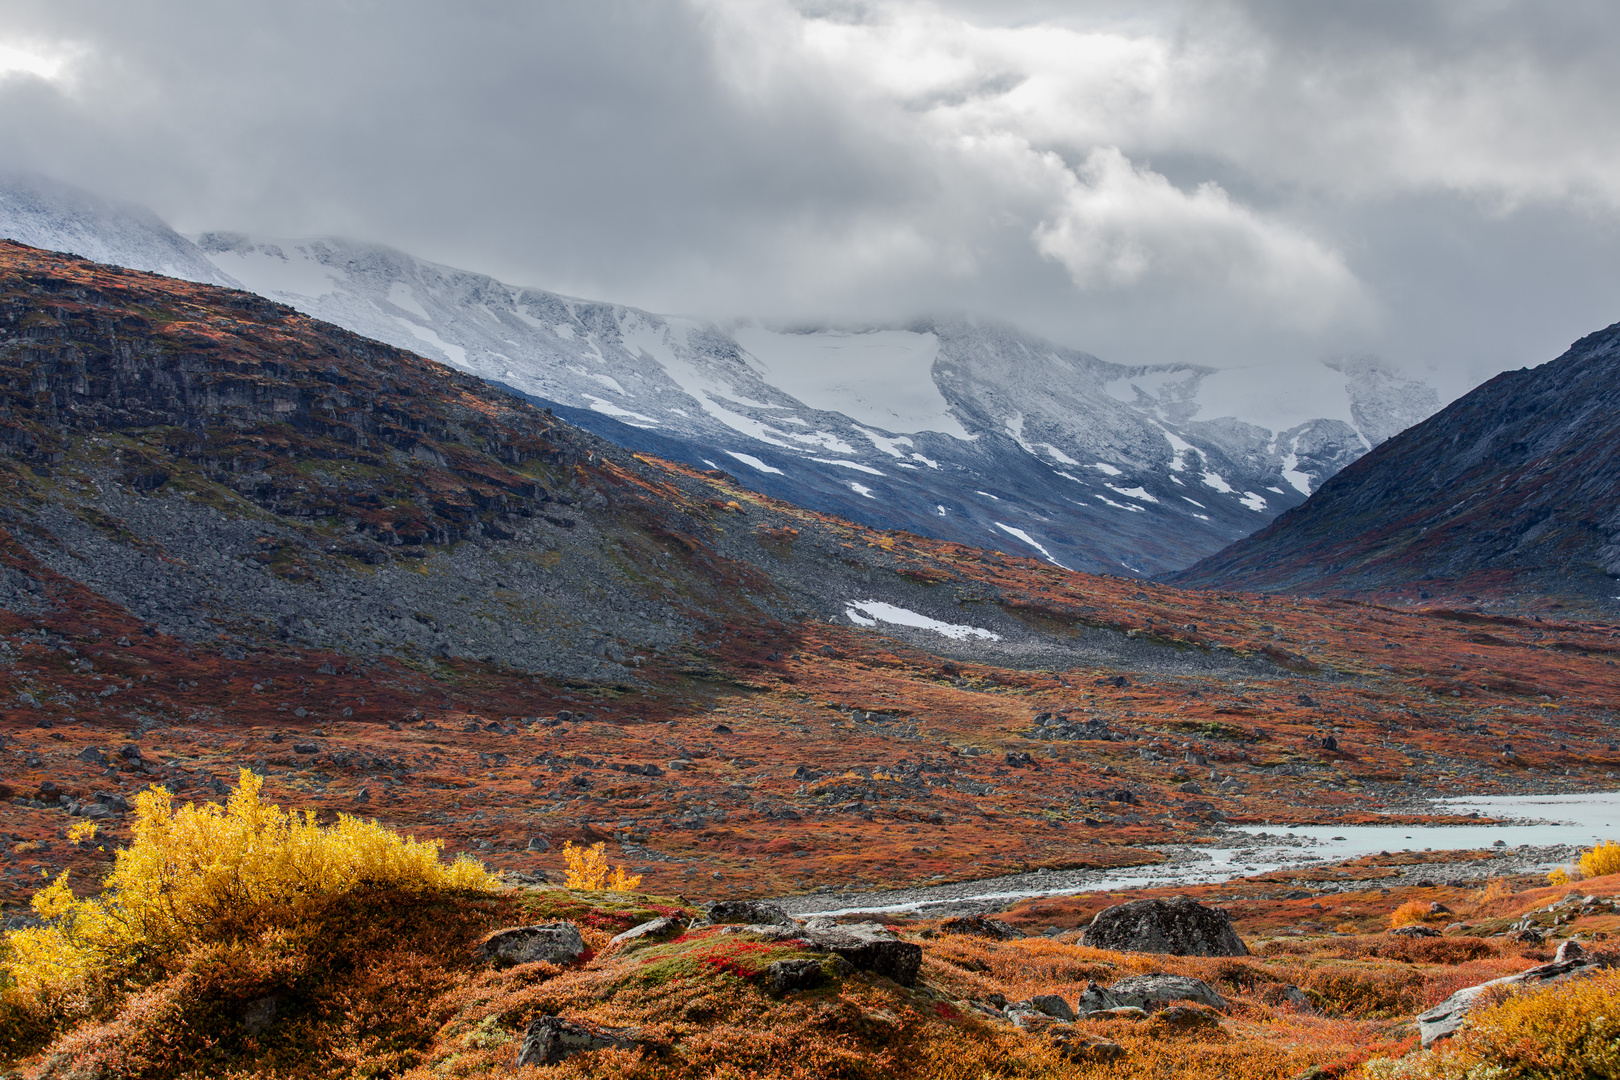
[1271, 179]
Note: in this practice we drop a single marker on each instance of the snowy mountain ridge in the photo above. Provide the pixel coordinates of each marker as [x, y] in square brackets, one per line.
[952, 428]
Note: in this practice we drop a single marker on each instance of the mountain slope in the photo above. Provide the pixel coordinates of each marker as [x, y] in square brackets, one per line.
[1514, 487]
[46, 213]
[976, 433]
[967, 432]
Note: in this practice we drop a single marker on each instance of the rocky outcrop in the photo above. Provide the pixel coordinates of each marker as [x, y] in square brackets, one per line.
[551, 1039]
[870, 947]
[1151, 992]
[980, 926]
[654, 930]
[747, 913]
[1571, 963]
[551, 943]
[1518, 479]
[1176, 927]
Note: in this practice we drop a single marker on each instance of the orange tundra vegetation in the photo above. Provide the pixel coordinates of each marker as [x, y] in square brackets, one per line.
[369, 966]
[766, 755]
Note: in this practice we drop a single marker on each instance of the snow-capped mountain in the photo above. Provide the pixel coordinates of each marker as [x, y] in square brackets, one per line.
[45, 213]
[968, 431]
[950, 428]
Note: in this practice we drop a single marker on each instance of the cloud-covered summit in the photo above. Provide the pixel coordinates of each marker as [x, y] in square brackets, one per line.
[1214, 182]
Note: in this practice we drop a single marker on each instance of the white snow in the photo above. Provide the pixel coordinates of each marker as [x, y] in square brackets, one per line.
[1291, 473]
[888, 446]
[274, 273]
[1195, 502]
[1118, 506]
[857, 466]
[1107, 469]
[928, 461]
[754, 462]
[871, 612]
[861, 489]
[454, 353]
[1059, 455]
[1278, 490]
[1254, 502]
[941, 510]
[400, 295]
[607, 408]
[564, 331]
[1214, 480]
[883, 379]
[1071, 476]
[1132, 493]
[1026, 538]
[987, 495]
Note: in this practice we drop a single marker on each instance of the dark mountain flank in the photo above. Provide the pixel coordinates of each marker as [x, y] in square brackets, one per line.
[1513, 490]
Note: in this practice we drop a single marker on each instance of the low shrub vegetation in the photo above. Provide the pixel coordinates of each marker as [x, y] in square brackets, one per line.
[199, 875]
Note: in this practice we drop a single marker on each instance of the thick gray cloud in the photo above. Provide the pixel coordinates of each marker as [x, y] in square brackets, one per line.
[1269, 180]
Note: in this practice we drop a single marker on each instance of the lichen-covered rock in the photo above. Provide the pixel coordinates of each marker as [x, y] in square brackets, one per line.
[745, 912]
[870, 947]
[785, 976]
[660, 929]
[1151, 992]
[1444, 1019]
[1176, 927]
[553, 943]
[1096, 998]
[552, 1039]
[1415, 930]
[979, 926]
[1053, 1005]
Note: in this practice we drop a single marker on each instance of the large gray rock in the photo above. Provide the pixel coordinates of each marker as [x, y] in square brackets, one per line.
[749, 912]
[1151, 992]
[1096, 998]
[553, 943]
[870, 947]
[552, 1039]
[783, 976]
[1444, 1019]
[1177, 927]
[980, 926]
[653, 930]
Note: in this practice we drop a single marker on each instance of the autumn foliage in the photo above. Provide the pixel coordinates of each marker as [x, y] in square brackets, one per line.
[588, 869]
[206, 871]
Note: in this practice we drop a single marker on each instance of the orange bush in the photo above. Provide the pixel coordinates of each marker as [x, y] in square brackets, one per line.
[1410, 913]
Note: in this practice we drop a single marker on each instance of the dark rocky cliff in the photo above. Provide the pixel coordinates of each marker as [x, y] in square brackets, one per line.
[1513, 490]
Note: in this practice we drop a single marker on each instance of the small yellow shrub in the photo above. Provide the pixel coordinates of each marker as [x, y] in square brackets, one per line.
[1558, 875]
[1568, 1030]
[588, 869]
[81, 831]
[1409, 913]
[1601, 860]
[207, 871]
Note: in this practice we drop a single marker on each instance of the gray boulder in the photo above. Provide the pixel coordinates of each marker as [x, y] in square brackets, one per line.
[552, 1039]
[553, 943]
[746, 912]
[1176, 927]
[784, 976]
[1097, 999]
[979, 926]
[1415, 930]
[1152, 992]
[660, 929]
[1053, 1005]
[1444, 1019]
[870, 947]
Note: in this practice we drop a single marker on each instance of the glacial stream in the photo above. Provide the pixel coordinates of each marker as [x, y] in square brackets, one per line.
[1540, 831]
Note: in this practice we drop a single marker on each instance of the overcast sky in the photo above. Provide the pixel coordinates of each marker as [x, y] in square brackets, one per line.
[1437, 183]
